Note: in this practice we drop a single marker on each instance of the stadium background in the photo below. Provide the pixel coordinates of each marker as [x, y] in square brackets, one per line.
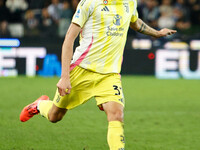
[160, 114]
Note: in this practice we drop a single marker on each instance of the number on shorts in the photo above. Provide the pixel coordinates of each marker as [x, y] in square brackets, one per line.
[116, 88]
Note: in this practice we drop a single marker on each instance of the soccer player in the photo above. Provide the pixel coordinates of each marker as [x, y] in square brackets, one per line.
[94, 69]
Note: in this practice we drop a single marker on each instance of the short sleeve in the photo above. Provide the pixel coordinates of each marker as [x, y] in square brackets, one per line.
[135, 12]
[83, 11]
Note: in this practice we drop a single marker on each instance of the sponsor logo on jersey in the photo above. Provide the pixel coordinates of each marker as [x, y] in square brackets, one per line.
[78, 13]
[117, 20]
[105, 9]
[115, 31]
[105, 2]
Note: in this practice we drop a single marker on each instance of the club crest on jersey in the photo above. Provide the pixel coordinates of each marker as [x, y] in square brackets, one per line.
[105, 2]
[117, 20]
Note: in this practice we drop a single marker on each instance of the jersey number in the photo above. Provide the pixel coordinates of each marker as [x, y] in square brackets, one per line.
[117, 89]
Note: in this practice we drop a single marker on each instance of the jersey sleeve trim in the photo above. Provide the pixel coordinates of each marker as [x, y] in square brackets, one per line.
[134, 18]
[135, 13]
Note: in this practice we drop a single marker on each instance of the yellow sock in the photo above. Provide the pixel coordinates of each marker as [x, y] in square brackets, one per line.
[44, 107]
[115, 136]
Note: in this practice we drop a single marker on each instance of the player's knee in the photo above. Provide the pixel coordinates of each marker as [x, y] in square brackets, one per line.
[117, 115]
[54, 119]
[56, 115]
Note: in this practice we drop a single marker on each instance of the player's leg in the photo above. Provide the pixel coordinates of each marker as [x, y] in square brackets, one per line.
[55, 110]
[32, 109]
[51, 111]
[114, 111]
[81, 92]
[45, 107]
[110, 98]
[115, 116]
[56, 114]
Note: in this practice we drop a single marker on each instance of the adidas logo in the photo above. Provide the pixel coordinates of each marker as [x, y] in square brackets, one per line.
[105, 9]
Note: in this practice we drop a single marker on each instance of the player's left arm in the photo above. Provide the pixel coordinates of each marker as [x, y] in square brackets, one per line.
[143, 28]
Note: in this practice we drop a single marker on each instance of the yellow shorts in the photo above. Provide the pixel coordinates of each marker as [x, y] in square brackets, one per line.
[87, 84]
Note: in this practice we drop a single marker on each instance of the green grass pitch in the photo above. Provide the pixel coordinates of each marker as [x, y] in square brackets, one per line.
[159, 115]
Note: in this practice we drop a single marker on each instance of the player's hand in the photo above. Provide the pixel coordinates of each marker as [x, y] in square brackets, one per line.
[165, 32]
[64, 86]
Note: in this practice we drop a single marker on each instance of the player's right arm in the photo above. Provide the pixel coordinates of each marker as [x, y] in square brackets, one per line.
[84, 10]
[64, 85]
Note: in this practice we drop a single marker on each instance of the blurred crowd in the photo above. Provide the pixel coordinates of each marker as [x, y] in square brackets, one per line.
[182, 15]
[19, 18]
[35, 17]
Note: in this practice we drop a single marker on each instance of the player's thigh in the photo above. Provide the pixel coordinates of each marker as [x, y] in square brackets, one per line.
[72, 100]
[82, 85]
[110, 89]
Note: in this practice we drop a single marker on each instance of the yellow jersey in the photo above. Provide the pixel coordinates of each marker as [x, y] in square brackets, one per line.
[104, 24]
